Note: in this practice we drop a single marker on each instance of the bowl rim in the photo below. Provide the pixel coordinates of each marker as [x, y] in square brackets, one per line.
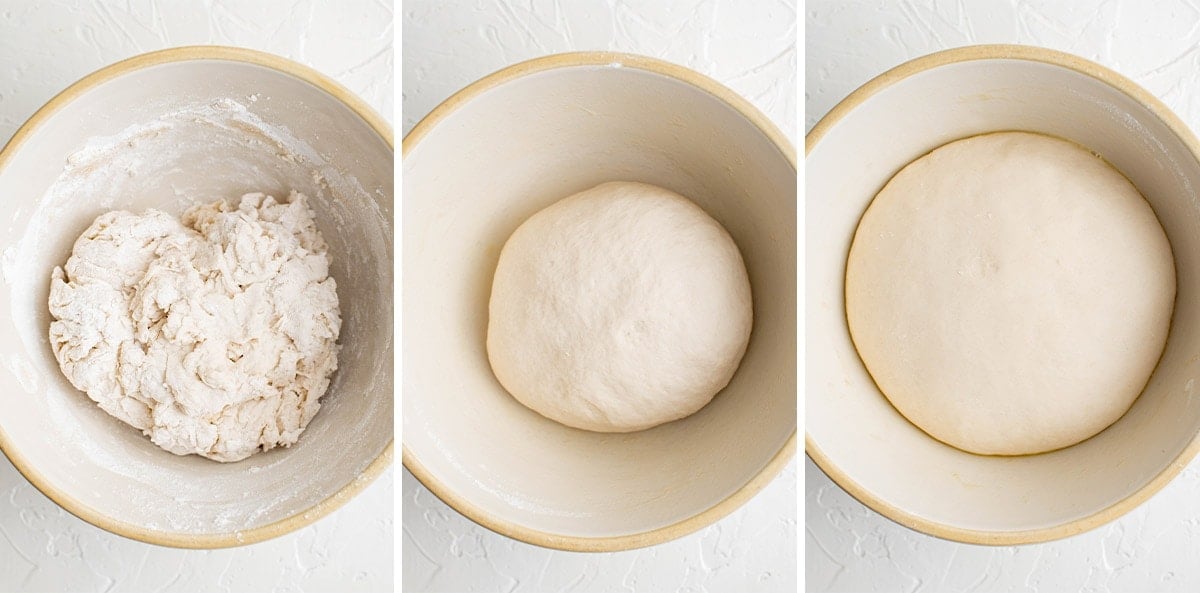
[777, 462]
[1096, 72]
[299, 519]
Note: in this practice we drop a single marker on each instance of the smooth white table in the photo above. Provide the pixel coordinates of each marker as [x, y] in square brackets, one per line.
[43, 48]
[748, 46]
[851, 548]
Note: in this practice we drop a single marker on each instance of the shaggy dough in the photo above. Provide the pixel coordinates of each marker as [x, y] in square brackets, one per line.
[1010, 293]
[214, 336]
[618, 309]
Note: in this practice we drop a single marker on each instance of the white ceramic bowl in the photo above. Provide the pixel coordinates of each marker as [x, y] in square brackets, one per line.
[494, 154]
[168, 130]
[855, 435]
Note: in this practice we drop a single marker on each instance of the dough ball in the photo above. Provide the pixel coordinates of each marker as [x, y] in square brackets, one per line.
[1010, 293]
[214, 336]
[618, 309]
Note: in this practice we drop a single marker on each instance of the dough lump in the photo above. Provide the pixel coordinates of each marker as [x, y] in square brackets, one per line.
[618, 308]
[1010, 293]
[214, 335]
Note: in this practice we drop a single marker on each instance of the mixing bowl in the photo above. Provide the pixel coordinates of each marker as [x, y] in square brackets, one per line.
[168, 130]
[502, 149]
[855, 435]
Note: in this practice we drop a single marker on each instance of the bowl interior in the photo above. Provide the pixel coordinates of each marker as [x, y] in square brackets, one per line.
[470, 181]
[169, 136]
[861, 437]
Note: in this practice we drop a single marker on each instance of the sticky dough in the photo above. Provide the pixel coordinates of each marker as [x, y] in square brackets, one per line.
[1010, 293]
[214, 334]
[618, 308]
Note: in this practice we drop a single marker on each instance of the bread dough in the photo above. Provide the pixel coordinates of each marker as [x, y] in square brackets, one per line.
[214, 336]
[618, 309]
[1010, 293]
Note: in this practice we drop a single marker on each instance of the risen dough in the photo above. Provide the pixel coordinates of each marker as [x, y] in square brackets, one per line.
[618, 308]
[1010, 293]
[215, 336]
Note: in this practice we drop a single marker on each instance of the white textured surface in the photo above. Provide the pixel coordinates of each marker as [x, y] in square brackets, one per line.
[43, 48]
[748, 46]
[851, 548]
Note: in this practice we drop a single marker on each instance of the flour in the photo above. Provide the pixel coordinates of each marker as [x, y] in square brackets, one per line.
[8, 264]
[214, 336]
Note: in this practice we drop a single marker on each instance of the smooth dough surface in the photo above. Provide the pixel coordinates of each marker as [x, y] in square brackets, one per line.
[215, 334]
[618, 308]
[1010, 293]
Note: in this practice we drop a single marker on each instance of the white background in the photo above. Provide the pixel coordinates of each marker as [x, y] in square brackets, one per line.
[1154, 548]
[749, 46]
[45, 46]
